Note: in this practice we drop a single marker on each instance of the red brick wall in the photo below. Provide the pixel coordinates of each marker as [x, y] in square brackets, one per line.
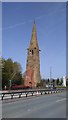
[29, 78]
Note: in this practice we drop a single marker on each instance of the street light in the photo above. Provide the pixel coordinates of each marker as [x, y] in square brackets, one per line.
[50, 73]
[10, 83]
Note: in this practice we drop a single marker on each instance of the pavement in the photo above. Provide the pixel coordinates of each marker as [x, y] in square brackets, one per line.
[43, 106]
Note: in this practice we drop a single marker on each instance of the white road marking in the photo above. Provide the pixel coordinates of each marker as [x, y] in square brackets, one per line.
[60, 100]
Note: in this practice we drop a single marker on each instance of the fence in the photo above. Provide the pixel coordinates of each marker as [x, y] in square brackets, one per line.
[20, 93]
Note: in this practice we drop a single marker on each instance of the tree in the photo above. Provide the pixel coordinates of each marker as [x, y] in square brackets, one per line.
[57, 81]
[17, 73]
[6, 72]
[11, 71]
[53, 83]
[0, 73]
[17, 67]
[67, 81]
[42, 83]
[61, 81]
[48, 80]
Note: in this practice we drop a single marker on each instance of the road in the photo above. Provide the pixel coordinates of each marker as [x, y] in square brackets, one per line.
[43, 106]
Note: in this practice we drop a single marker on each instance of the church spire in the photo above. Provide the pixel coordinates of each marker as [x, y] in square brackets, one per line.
[34, 28]
[32, 76]
[33, 42]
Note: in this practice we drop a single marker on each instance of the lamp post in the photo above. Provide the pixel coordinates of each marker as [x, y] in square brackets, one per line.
[10, 84]
[10, 81]
[50, 73]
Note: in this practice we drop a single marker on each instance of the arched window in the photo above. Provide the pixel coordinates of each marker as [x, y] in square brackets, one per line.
[32, 52]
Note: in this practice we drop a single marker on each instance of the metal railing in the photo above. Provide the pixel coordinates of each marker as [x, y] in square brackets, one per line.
[31, 92]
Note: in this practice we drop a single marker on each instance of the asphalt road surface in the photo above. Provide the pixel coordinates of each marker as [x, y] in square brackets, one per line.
[43, 106]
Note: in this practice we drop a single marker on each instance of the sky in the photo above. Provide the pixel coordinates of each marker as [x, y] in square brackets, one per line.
[0, 30]
[17, 23]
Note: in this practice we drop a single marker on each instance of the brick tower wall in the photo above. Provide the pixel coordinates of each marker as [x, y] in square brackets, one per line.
[33, 62]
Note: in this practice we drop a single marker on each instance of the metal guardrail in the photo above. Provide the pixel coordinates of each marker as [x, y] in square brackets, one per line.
[27, 92]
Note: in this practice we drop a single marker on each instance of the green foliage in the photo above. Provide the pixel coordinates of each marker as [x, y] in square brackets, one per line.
[38, 84]
[57, 81]
[11, 71]
[48, 80]
[42, 83]
[67, 82]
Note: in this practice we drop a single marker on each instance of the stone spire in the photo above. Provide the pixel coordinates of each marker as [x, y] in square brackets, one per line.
[33, 42]
[32, 76]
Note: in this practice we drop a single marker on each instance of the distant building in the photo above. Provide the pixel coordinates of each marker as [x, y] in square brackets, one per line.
[32, 75]
[64, 81]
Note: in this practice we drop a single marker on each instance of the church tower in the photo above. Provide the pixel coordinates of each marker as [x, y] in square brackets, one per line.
[32, 76]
